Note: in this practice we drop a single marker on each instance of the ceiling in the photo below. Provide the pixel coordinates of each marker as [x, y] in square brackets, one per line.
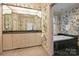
[10, 9]
[62, 7]
[36, 6]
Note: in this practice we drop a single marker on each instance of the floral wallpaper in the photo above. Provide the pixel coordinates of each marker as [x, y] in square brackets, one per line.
[70, 22]
[44, 24]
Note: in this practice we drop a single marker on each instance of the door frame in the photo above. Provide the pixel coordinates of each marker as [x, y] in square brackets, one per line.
[1, 28]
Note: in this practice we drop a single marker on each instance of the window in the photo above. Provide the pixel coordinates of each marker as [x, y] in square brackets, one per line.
[55, 25]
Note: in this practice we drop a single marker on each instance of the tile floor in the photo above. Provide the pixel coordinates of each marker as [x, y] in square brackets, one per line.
[32, 51]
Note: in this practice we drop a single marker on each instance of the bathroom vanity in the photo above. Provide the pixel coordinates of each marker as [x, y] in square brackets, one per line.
[21, 39]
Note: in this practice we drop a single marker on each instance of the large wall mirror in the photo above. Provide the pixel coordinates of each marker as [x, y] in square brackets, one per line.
[21, 19]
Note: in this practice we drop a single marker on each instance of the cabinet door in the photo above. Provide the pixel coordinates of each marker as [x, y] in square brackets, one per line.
[32, 39]
[26, 40]
[7, 41]
[29, 38]
[37, 38]
[18, 41]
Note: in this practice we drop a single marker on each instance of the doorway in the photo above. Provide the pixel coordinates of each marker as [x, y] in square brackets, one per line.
[65, 29]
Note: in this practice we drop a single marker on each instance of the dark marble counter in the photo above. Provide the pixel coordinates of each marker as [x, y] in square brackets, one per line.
[27, 31]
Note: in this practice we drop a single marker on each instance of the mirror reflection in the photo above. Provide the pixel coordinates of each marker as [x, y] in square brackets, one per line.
[21, 19]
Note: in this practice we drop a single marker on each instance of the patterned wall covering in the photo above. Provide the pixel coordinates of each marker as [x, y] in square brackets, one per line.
[44, 25]
[46, 35]
[70, 22]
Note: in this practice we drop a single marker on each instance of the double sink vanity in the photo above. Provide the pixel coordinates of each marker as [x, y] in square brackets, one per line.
[21, 39]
